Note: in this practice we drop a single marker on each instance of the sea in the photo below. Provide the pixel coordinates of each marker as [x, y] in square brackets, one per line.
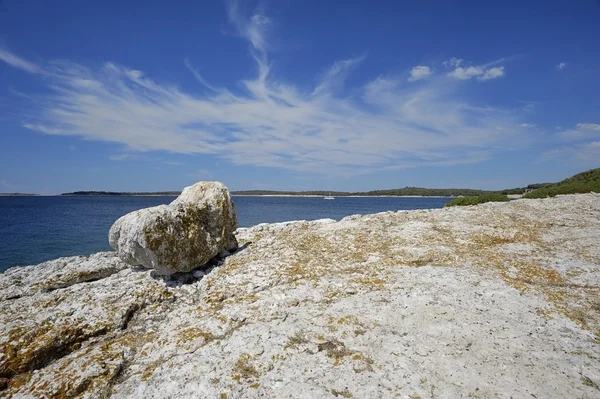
[37, 229]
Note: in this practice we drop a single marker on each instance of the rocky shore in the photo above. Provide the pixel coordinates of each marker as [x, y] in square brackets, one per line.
[495, 300]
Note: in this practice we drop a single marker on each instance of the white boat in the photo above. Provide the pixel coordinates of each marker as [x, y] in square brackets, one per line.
[329, 196]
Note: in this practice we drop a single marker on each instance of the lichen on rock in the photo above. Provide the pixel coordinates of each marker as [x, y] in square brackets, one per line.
[180, 236]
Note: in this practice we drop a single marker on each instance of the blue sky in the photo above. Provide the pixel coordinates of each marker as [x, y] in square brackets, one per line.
[296, 95]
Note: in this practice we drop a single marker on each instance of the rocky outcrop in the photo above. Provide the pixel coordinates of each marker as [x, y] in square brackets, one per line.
[180, 236]
[496, 300]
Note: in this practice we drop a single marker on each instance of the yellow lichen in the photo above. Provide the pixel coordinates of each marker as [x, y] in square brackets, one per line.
[244, 369]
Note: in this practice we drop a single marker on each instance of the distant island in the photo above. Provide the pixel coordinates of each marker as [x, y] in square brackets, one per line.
[397, 192]
[17, 195]
[124, 194]
[406, 191]
[583, 182]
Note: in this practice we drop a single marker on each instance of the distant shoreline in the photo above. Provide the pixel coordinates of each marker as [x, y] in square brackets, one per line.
[114, 195]
[233, 195]
[344, 196]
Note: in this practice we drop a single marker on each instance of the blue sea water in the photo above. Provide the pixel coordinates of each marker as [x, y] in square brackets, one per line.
[36, 229]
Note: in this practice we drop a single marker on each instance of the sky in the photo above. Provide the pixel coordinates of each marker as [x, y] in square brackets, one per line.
[296, 94]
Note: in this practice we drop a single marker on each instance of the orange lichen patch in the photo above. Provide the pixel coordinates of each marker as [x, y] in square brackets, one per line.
[487, 240]
[295, 340]
[72, 278]
[299, 270]
[194, 333]
[365, 363]
[243, 298]
[528, 273]
[149, 370]
[135, 340]
[373, 283]
[192, 245]
[27, 349]
[332, 295]
[244, 369]
[91, 369]
[343, 393]
[335, 349]
[18, 381]
[95, 375]
[349, 324]
[575, 272]
[348, 320]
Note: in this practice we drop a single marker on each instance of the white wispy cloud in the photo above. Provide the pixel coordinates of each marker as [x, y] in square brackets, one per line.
[419, 72]
[334, 77]
[584, 154]
[527, 125]
[199, 77]
[385, 124]
[18, 62]
[481, 72]
[453, 62]
[466, 73]
[561, 66]
[492, 73]
[588, 126]
[124, 157]
[253, 28]
[581, 131]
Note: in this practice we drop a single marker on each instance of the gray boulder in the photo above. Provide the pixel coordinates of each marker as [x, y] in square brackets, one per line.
[180, 236]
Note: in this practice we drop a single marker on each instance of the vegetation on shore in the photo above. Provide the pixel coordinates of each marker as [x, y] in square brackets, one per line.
[584, 182]
[491, 197]
[523, 190]
[581, 183]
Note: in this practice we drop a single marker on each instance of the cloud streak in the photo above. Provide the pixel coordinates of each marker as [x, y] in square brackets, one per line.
[583, 154]
[579, 144]
[581, 131]
[385, 124]
[18, 62]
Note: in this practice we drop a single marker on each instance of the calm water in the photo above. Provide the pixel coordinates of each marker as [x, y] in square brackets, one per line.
[35, 229]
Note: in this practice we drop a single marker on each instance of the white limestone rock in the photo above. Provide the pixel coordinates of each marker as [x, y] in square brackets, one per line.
[181, 236]
[489, 301]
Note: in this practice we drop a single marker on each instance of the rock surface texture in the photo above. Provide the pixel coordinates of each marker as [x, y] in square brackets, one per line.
[494, 301]
[180, 236]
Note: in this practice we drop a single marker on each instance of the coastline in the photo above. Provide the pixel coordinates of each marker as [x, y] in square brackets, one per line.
[343, 196]
[306, 308]
[237, 195]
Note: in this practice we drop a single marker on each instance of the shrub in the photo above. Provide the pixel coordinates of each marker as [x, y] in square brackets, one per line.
[492, 197]
[579, 184]
[566, 188]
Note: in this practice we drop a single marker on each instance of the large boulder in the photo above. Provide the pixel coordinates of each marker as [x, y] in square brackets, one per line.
[180, 236]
